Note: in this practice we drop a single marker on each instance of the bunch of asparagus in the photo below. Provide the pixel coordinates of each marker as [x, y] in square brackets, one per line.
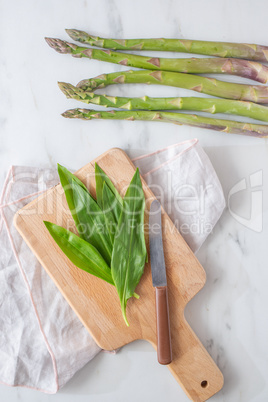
[232, 58]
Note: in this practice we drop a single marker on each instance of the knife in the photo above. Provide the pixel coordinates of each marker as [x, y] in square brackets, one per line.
[158, 268]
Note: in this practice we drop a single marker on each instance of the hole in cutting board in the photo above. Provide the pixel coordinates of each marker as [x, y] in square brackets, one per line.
[204, 384]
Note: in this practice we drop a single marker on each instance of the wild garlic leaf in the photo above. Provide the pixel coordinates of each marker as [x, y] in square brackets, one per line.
[111, 209]
[101, 178]
[80, 253]
[129, 250]
[92, 222]
[66, 179]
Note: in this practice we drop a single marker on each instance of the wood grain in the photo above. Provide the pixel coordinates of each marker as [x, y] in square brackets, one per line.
[96, 303]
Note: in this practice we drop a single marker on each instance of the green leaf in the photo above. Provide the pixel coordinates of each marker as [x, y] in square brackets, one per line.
[66, 179]
[111, 209]
[129, 251]
[100, 178]
[92, 222]
[80, 253]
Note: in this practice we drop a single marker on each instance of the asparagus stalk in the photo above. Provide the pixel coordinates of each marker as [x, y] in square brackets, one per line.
[210, 86]
[227, 126]
[220, 49]
[242, 68]
[209, 105]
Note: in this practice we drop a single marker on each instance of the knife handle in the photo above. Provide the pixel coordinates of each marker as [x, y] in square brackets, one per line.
[164, 354]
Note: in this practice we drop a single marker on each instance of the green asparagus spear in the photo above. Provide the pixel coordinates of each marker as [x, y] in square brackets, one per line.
[242, 68]
[227, 126]
[220, 49]
[210, 86]
[209, 105]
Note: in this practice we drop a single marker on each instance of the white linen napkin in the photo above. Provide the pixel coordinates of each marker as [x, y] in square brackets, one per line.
[183, 179]
[42, 342]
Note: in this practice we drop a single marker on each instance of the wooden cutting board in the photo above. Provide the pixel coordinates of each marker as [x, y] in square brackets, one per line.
[96, 303]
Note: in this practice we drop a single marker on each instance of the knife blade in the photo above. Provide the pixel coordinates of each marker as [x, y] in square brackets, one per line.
[158, 268]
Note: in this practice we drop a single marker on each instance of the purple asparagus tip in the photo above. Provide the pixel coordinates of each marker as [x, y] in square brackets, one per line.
[59, 45]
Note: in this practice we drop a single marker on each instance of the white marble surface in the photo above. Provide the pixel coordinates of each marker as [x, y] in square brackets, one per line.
[230, 313]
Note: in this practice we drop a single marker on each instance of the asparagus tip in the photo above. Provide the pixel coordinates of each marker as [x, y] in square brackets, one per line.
[69, 114]
[79, 36]
[73, 92]
[73, 33]
[59, 45]
[66, 88]
[69, 31]
[84, 84]
[76, 113]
